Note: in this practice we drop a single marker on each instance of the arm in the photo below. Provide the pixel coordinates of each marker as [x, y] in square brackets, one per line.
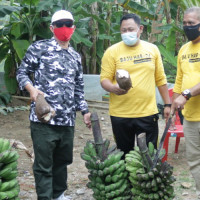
[180, 100]
[161, 83]
[28, 66]
[163, 89]
[79, 96]
[195, 90]
[108, 71]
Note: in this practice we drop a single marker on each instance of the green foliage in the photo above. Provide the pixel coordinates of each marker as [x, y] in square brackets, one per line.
[139, 9]
[5, 98]
[97, 27]
[20, 47]
[184, 4]
[7, 10]
[9, 76]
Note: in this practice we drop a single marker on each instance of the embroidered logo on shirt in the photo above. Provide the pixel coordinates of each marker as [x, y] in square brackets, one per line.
[141, 58]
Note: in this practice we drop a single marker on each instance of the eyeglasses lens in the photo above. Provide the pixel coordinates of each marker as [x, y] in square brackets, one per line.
[66, 23]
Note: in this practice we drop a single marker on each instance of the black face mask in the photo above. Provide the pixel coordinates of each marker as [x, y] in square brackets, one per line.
[192, 32]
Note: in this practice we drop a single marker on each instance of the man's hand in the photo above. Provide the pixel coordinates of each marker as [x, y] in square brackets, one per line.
[33, 92]
[117, 90]
[167, 113]
[87, 121]
[178, 103]
[113, 88]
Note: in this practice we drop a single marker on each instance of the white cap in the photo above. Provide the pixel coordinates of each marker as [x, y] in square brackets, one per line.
[61, 14]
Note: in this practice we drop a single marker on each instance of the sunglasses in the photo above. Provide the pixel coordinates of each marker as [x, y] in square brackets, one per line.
[60, 24]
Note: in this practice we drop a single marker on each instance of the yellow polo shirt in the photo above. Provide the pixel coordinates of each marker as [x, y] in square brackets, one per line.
[144, 64]
[188, 75]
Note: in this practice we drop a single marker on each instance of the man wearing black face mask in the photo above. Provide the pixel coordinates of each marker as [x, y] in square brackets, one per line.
[187, 90]
[58, 76]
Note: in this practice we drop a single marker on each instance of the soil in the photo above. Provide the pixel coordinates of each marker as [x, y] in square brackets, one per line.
[15, 125]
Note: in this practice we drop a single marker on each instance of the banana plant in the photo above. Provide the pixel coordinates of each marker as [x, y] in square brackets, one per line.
[184, 4]
[16, 35]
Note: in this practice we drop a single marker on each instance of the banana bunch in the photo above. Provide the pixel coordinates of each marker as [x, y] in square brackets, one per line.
[108, 179]
[148, 183]
[9, 186]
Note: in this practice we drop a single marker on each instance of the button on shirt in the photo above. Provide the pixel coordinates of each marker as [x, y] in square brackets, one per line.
[57, 73]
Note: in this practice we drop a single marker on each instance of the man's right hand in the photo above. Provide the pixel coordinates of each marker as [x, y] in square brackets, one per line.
[33, 92]
[117, 90]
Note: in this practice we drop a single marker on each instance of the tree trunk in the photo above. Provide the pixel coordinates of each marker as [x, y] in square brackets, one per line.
[108, 20]
[156, 23]
[94, 32]
[167, 11]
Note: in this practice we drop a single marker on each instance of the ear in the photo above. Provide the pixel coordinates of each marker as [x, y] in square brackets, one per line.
[51, 28]
[141, 28]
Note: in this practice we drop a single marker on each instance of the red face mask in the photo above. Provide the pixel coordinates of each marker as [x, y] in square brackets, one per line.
[64, 33]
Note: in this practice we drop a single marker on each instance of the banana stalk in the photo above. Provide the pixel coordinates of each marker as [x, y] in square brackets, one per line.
[144, 150]
[100, 147]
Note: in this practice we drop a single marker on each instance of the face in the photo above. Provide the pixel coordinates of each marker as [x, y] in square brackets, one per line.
[129, 25]
[190, 19]
[62, 23]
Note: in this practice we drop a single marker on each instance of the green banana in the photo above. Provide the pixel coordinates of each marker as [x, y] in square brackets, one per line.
[12, 165]
[131, 169]
[5, 186]
[12, 156]
[108, 178]
[3, 195]
[151, 149]
[114, 186]
[113, 158]
[5, 172]
[91, 164]
[6, 145]
[106, 144]
[85, 157]
[13, 193]
[112, 168]
[4, 155]
[91, 149]
[1, 144]
[120, 169]
[98, 180]
[134, 162]
[10, 174]
[135, 154]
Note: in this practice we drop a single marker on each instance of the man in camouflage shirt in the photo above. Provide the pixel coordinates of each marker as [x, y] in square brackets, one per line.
[58, 76]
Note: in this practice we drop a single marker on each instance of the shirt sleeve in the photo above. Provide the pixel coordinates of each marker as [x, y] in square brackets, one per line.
[28, 65]
[108, 67]
[179, 77]
[160, 77]
[80, 102]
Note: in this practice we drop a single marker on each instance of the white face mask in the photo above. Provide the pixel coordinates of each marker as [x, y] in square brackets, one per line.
[130, 38]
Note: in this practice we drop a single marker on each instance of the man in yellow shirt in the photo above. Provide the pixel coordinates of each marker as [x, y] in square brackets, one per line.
[187, 89]
[134, 111]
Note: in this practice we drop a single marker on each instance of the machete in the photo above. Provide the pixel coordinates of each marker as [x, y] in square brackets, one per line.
[162, 139]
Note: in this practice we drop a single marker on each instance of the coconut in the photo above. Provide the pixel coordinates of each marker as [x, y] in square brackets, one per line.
[123, 79]
[43, 110]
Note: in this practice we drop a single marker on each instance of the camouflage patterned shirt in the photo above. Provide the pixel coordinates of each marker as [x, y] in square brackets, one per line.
[57, 73]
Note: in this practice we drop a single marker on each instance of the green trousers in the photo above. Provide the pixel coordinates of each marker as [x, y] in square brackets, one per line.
[53, 148]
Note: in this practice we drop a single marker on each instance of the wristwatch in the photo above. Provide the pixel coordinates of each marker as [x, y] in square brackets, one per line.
[186, 93]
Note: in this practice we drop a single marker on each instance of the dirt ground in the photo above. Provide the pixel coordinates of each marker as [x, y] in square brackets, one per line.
[16, 126]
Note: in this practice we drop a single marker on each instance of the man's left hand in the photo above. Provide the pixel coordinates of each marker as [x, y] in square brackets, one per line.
[167, 113]
[87, 120]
